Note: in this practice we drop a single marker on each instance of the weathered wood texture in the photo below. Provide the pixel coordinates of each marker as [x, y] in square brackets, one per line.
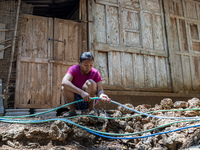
[2, 38]
[33, 83]
[66, 52]
[127, 38]
[44, 58]
[183, 20]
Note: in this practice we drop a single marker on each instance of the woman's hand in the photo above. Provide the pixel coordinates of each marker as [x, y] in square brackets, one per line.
[104, 97]
[85, 96]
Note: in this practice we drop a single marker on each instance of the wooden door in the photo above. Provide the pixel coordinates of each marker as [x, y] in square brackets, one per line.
[67, 48]
[183, 30]
[33, 81]
[44, 59]
[127, 38]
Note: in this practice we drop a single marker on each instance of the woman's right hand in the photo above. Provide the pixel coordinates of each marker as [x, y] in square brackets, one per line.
[85, 96]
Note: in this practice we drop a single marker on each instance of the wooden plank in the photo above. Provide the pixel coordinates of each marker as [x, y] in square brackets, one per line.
[128, 70]
[178, 73]
[1, 85]
[152, 5]
[102, 67]
[5, 30]
[161, 73]
[2, 49]
[191, 11]
[110, 68]
[187, 73]
[116, 68]
[121, 24]
[108, 2]
[4, 41]
[138, 66]
[2, 38]
[18, 74]
[34, 60]
[121, 88]
[91, 13]
[186, 19]
[100, 24]
[134, 50]
[84, 26]
[147, 29]
[132, 93]
[149, 67]
[174, 7]
[114, 26]
[158, 33]
[32, 106]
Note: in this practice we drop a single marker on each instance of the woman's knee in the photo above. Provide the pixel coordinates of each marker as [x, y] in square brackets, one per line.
[90, 84]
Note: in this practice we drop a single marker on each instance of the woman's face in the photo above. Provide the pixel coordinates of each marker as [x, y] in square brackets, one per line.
[86, 66]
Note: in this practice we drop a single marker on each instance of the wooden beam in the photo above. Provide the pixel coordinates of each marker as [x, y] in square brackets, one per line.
[12, 53]
[5, 41]
[120, 88]
[133, 93]
[5, 47]
[5, 30]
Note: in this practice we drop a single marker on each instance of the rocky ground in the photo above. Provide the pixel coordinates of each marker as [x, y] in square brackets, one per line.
[60, 135]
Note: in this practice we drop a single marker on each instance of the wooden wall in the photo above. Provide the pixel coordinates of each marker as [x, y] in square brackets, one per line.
[183, 29]
[128, 40]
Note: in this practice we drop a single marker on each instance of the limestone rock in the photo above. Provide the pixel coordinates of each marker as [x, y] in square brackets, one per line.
[37, 134]
[129, 129]
[14, 132]
[172, 141]
[191, 113]
[166, 103]
[117, 114]
[59, 131]
[148, 126]
[194, 103]
[141, 108]
[125, 110]
[123, 124]
[181, 104]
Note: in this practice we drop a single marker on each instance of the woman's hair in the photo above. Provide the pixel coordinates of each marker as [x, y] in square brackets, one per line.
[86, 56]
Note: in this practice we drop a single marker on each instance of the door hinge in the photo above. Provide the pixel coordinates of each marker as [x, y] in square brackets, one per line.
[56, 40]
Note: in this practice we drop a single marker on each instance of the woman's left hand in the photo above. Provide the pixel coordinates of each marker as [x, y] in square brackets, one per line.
[104, 97]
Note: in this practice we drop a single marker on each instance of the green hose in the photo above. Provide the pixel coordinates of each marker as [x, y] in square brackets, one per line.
[116, 134]
[105, 133]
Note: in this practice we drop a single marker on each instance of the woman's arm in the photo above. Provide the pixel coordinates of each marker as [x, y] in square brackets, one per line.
[100, 93]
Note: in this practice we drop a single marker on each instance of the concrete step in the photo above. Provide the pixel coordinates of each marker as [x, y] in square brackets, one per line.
[17, 112]
[49, 114]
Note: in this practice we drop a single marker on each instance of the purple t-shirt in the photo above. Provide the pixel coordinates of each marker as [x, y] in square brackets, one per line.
[79, 79]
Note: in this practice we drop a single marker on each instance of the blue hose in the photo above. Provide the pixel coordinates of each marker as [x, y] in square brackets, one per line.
[140, 137]
[2, 119]
[153, 115]
[97, 132]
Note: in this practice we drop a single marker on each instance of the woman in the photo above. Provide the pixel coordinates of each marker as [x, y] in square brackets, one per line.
[82, 81]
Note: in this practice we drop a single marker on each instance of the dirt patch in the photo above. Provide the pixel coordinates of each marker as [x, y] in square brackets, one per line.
[58, 134]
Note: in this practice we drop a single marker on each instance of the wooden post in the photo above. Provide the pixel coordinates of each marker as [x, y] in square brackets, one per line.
[12, 53]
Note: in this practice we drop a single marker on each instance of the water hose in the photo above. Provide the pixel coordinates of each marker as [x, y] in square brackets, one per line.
[100, 133]
[85, 128]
